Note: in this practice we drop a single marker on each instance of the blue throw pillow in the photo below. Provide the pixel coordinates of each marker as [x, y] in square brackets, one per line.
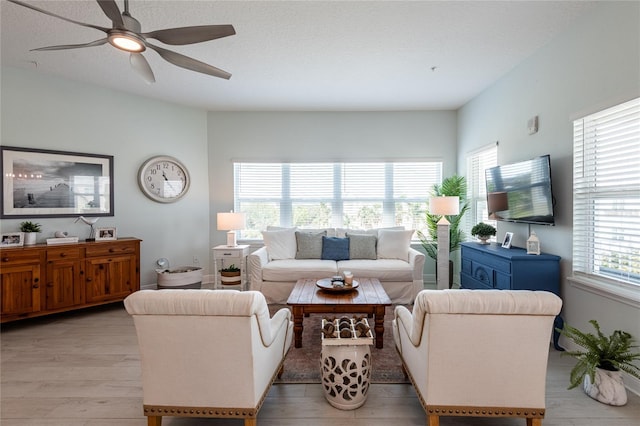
[334, 248]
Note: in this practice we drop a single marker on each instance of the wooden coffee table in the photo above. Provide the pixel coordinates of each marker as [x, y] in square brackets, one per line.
[369, 298]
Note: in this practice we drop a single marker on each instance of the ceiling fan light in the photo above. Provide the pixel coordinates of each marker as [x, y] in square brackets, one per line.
[126, 42]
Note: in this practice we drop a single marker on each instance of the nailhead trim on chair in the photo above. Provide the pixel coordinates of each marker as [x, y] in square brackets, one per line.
[219, 412]
[452, 410]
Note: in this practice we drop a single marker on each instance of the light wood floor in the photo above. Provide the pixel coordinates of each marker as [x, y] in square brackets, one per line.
[83, 369]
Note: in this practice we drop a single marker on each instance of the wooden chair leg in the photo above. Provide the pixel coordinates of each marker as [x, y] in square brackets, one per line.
[280, 371]
[433, 420]
[534, 422]
[154, 420]
[251, 422]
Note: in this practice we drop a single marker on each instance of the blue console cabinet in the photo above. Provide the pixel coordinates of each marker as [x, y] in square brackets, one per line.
[489, 266]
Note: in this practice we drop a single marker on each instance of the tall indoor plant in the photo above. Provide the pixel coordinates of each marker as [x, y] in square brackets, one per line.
[600, 364]
[453, 186]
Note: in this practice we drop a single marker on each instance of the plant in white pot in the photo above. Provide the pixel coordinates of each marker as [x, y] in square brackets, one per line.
[599, 366]
[30, 230]
[483, 232]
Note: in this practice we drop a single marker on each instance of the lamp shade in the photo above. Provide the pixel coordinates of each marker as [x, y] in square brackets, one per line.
[444, 205]
[231, 221]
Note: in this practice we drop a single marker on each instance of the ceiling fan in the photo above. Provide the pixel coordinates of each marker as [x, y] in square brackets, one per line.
[126, 35]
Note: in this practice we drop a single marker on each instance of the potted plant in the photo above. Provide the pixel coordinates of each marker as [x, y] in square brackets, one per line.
[600, 364]
[454, 186]
[30, 230]
[230, 275]
[483, 231]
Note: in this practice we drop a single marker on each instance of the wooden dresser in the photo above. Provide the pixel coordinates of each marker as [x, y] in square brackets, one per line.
[44, 279]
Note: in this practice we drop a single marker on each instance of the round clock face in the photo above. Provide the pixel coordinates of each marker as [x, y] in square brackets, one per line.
[163, 179]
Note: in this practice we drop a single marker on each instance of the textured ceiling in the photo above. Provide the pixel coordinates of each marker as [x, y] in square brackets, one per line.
[301, 55]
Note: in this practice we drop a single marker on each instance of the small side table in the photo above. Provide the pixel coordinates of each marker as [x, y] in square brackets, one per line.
[224, 256]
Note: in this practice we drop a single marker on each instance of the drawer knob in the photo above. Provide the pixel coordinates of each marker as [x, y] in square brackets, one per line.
[5, 259]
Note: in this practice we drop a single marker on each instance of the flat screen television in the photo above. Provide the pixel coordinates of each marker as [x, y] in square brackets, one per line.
[521, 192]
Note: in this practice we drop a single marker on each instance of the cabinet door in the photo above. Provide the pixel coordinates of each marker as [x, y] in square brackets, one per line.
[110, 278]
[63, 284]
[20, 289]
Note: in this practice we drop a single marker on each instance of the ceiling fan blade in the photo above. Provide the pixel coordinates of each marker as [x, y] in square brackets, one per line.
[37, 9]
[73, 46]
[142, 67]
[110, 8]
[189, 35]
[189, 63]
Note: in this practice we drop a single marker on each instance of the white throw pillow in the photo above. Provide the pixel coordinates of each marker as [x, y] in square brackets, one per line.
[394, 244]
[280, 244]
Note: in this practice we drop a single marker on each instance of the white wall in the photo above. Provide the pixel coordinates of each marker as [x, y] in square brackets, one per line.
[593, 65]
[318, 136]
[50, 113]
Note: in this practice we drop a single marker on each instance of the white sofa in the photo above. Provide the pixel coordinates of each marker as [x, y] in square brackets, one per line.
[292, 254]
[478, 352]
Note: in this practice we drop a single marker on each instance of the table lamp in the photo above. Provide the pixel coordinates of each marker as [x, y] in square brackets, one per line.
[441, 206]
[231, 222]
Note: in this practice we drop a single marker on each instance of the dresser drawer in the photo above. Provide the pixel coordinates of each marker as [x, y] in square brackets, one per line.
[109, 249]
[494, 262]
[19, 256]
[63, 253]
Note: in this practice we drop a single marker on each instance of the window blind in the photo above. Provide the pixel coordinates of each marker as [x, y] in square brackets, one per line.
[477, 162]
[606, 200]
[350, 195]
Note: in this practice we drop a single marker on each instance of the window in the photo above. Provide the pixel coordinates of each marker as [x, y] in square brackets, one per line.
[606, 200]
[348, 195]
[477, 162]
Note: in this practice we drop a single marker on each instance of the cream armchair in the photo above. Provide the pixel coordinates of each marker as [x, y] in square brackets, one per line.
[207, 353]
[478, 352]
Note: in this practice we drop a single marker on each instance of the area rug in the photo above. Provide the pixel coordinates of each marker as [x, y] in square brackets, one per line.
[302, 365]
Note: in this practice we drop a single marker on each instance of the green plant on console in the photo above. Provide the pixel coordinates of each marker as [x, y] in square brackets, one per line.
[612, 353]
[483, 230]
[454, 186]
[30, 227]
[230, 268]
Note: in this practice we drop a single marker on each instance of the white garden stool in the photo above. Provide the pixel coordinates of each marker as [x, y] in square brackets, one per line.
[346, 364]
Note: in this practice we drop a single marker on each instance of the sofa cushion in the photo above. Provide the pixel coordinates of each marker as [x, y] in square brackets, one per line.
[394, 244]
[280, 244]
[390, 270]
[334, 248]
[362, 246]
[294, 269]
[309, 244]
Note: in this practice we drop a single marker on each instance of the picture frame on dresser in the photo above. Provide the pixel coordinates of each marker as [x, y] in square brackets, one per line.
[12, 239]
[48, 183]
[506, 242]
[106, 234]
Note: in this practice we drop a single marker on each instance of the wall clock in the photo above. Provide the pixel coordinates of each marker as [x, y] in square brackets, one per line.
[163, 179]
